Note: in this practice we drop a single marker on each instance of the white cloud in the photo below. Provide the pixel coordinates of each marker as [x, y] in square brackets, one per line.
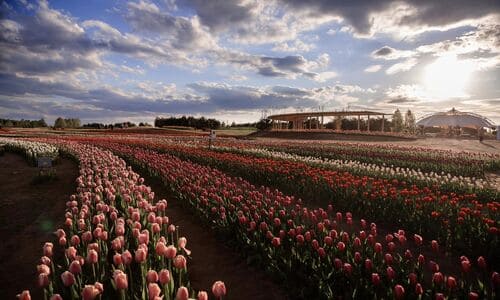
[373, 68]
[402, 66]
[296, 46]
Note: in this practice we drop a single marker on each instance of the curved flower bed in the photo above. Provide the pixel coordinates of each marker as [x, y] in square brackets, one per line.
[116, 244]
[320, 253]
[372, 170]
[464, 163]
[31, 150]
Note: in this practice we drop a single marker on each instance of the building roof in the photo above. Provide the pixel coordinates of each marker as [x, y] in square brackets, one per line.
[455, 118]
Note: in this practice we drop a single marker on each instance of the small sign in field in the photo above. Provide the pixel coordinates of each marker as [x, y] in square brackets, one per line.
[44, 162]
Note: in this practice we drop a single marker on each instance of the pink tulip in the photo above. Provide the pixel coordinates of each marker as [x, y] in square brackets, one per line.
[117, 259]
[439, 296]
[47, 250]
[43, 269]
[71, 253]
[25, 295]
[120, 279]
[75, 240]
[170, 252]
[378, 248]
[375, 279]
[153, 291]
[473, 296]
[126, 257]
[68, 278]
[45, 260]
[75, 267]
[43, 280]
[276, 242]
[90, 292]
[152, 276]
[182, 293]
[164, 276]
[202, 295]
[219, 289]
[160, 249]
[57, 297]
[92, 256]
[141, 255]
[180, 262]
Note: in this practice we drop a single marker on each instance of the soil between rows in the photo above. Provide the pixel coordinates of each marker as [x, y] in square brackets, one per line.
[29, 214]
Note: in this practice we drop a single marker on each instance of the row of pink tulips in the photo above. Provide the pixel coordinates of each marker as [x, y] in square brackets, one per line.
[116, 241]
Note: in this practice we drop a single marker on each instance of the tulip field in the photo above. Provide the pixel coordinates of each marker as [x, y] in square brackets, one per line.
[322, 220]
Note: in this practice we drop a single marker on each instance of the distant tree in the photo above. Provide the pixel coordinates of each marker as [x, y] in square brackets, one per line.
[397, 121]
[9, 123]
[41, 123]
[410, 123]
[264, 124]
[60, 123]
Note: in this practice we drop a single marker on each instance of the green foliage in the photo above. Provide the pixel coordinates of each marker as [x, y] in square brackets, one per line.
[397, 121]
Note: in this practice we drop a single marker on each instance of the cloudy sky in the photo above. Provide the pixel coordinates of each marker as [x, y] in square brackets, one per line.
[235, 60]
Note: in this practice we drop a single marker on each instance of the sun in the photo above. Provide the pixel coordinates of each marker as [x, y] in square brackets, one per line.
[447, 77]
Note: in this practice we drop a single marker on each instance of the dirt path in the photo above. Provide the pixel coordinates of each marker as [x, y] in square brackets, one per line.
[214, 261]
[29, 213]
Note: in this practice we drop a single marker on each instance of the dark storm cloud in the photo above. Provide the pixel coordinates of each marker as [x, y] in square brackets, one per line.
[428, 12]
[221, 15]
[386, 50]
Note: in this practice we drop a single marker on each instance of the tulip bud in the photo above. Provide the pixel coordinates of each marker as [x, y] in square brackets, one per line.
[399, 292]
[202, 295]
[152, 276]
[164, 276]
[219, 289]
[182, 293]
[180, 262]
[68, 278]
[375, 279]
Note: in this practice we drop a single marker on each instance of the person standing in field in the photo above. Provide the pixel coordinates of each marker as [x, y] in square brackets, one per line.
[481, 134]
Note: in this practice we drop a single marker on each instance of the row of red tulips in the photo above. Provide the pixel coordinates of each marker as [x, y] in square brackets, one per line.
[461, 222]
[320, 253]
[115, 244]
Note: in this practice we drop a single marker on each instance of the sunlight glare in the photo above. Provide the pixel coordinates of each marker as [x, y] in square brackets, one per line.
[448, 77]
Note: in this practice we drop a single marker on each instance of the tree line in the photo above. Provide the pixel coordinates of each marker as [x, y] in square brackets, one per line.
[198, 123]
[22, 123]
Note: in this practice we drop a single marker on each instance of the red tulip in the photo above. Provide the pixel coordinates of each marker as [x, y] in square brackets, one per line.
[375, 279]
[399, 292]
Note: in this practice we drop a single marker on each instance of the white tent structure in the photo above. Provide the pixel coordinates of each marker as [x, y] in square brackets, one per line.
[455, 118]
